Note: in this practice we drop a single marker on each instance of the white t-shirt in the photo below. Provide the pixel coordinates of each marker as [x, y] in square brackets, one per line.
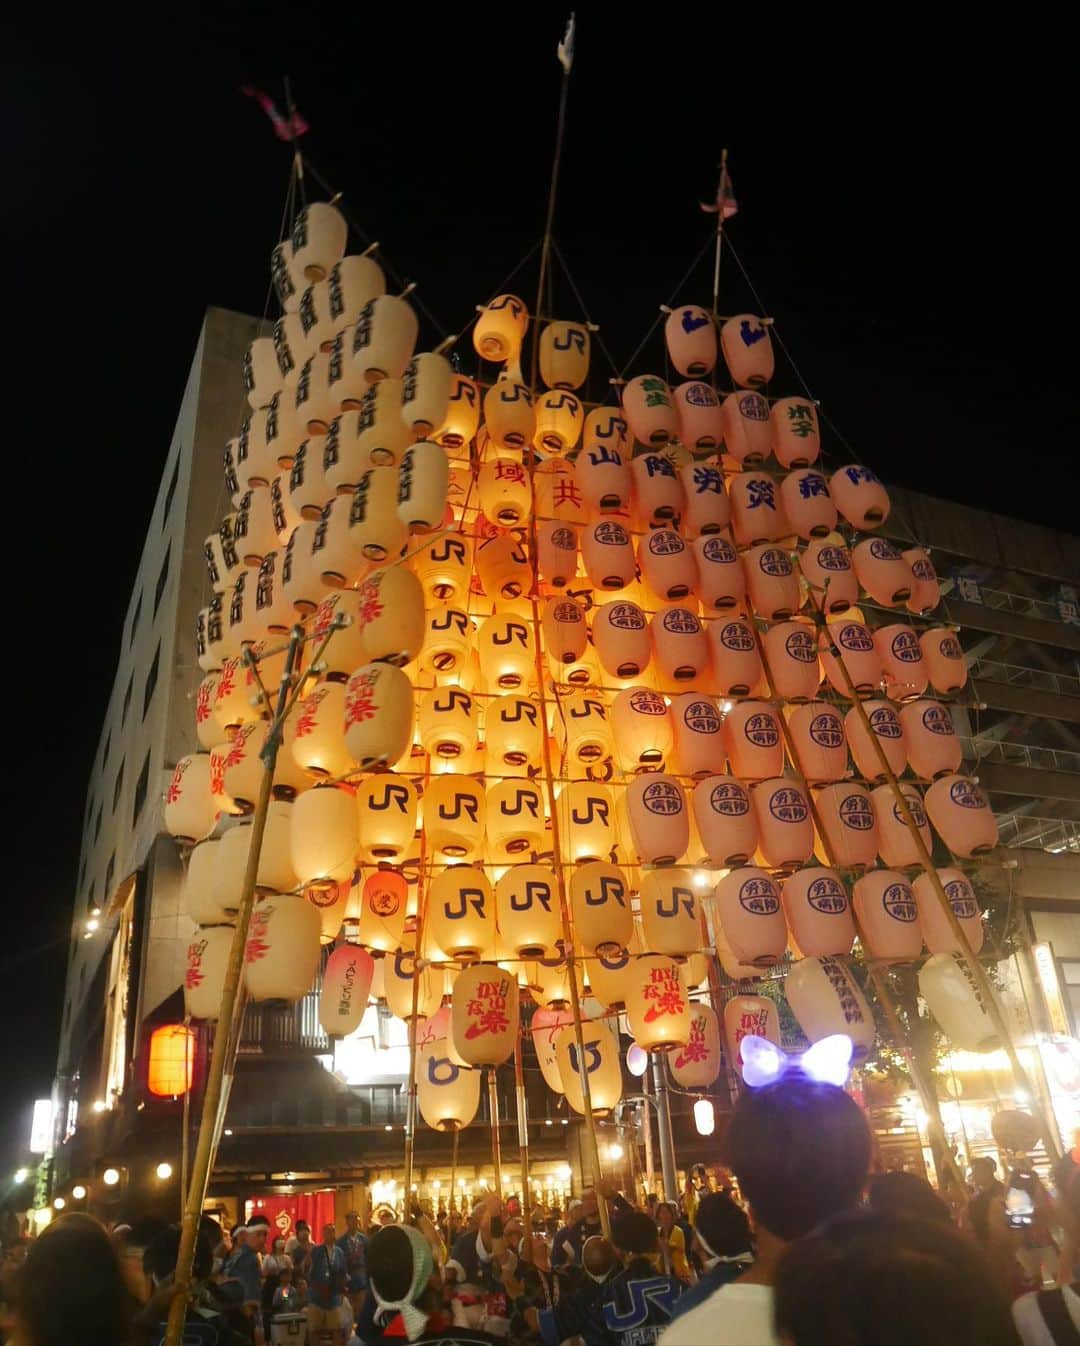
[734, 1315]
[1029, 1320]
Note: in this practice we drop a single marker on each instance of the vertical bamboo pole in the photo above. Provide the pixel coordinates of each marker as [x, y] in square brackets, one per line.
[421, 913]
[523, 1135]
[646, 1120]
[496, 1139]
[663, 1126]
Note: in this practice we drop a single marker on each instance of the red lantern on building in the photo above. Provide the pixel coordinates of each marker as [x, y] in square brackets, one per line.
[172, 1061]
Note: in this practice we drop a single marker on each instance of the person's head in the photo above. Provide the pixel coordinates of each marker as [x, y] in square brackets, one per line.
[801, 1152]
[590, 1206]
[983, 1172]
[258, 1231]
[665, 1216]
[71, 1287]
[539, 1252]
[402, 1276]
[906, 1194]
[285, 1276]
[722, 1228]
[352, 1222]
[301, 1284]
[633, 1233]
[303, 1231]
[871, 1279]
[329, 1235]
[598, 1258]
[238, 1235]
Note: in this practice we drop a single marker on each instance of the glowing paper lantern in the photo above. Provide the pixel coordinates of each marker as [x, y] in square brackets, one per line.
[650, 410]
[423, 483]
[461, 909]
[680, 646]
[817, 732]
[847, 816]
[701, 421]
[384, 337]
[600, 902]
[200, 902]
[725, 821]
[859, 496]
[699, 745]
[747, 350]
[806, 503]
[559, 420]
[500, 328]
[669, 914]
[901, 661]
[932, 919]
[447, 642]
[887, 915]
[756, 516]
[281, 274]
[745, 420]
[825, 566]
[656, 497]
[566, 633]
[346, 982]
[733, 652]
[690, 334]
[527, 911]
[515, 819]
[586, 821]
[403, 980]
[384, 903]
[564, 354]
[667, 564]
[455, 813]
[351, 283]
[642, 728]
[925, 588]
[485, 1014]
[886, 728]
[796, 436]
[659, 819]
[749, 1016]
[509, 415]
[444, 567]
[375, 526]
[854, 644]
[961, 816]
[317, 734]
[171, 1065]
[825, 999]
[512, 730]
[378, 715]
[600, 1063]
[748, 904]
[609, 976]
[697, 1065]
[582, 729]
[719, 579]
[387, 809]
[933, 747]
[603, 477]
[956, 1001]
[281, 956]
[620, 633]
[503, 492]
[449, 1094]
[275, 872]
[790, 650]
[318, 240]
[608, 555]
[425, 398]
[818, 913]
[657, 1005]
[753, 741]
[771, 583]
[882, 571]
[503, 566]
[896, 845]
[945, 662]
[785, 832]
[447, 722]
[191, 809]
[324, 835]
[204, 976]
[545, 1026]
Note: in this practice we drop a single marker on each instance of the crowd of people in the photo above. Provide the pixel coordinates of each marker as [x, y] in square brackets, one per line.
[793, 1241]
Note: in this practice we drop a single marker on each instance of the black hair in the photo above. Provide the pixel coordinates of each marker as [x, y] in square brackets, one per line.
[872, 1279]
[71, 1287]
[390, 1262]
[302, 1224]
[906, 1194]
[723, 1225]
[159, 1259]
[801, 1152]
[632, 1231]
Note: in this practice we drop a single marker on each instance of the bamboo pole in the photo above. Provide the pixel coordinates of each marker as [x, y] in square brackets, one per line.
[411, 1096]
[523, 1136]
[496, 1139]
[453, 1165]
[208, 1125]
[650, 1170]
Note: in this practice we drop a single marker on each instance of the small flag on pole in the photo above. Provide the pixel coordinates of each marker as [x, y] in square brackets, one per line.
[285, 128]
[566, 46]
[725, 205]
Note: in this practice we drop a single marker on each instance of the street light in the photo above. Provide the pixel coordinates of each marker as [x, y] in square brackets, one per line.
[21, 1175]
[164, 1171]
[78, 1192]
[111, 1177]
[59, 1203]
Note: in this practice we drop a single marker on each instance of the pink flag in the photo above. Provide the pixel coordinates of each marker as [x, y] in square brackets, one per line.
[285, 128]
[725, 205]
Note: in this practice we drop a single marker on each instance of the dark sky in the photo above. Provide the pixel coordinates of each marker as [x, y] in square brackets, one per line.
[903, 190]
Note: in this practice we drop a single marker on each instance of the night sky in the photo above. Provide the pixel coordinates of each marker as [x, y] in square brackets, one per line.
[902, 193]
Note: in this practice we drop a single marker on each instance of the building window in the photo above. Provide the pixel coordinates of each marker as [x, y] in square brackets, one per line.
[173, 482]
[135, 622]
[162, 579]
[127, 700]
[151, 682]
[141, 787]
[118, 786]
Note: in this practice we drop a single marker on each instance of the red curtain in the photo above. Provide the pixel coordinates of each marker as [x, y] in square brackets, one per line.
[283, 1209]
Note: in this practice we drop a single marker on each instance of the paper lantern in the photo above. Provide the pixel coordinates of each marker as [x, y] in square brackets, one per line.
[609, 975]
[785, 832]
[447, 722]
[223, 564]
[556, 494]
[733, 651]
[680, 647]
[669, 915]
[485, 1014]
[771, 582]
[454, 816]
[859, 496]
[275, 871]
[331, 903]
[444, 567]
[274, 611]
[462, 413]
[204, 975]
[423, 482]
[705, 510]
[600, 1063]
[582, 728]
[208, 729]
[372, 435]
[425, 399]
[888, 917]
[690, 334]
[509, 415]
[882, 571]
[500, 328]
[820, 746]
[345, 648]
[846, 814]
[896, 846]
[945, 662]
[642, 728]
[448, 642]
[351, 284]
[725, 821]
[375, 526]
[818, 913]
[281, 955]
[667, 564]
[697, 1065]
[318, 240]
[608, 555]
[925, 588]
[747, 350]
[932, 919]
[933, 748]
[404, 980]
[790, 650]
[701, 421]
[507, 653]
[566, 633]
[586, 814]
[515, 819]
[383, 907]
[316, 733]
[253, 528]
[605, 427]
[620, 633]
[825, 999]
[544, 1026]
[290, 346]
[559, 420]
[448, 1094]
[650, 410]
[190, 807]
[745, 421]
[503, 492]
[600, 901]
[602, 475]
[461, 912]
[747, 901]
[886, 729]
[317, 403]
[309, 492]
[753, 741]
[512, 731]
[548, 979]
[346, 982]
[236, 696]
[378, 715]
[807, 505]
[961, 816]
[657, 1005]
[527, 911]
[564, 354]
[384, 337]
[281, 275]
[503, 566]
[387, 811]
[796, 436]
[324, 835]
[699, 744]
[171, 1061]
[656, 495]
[659, 818]
[901, 661]
[825, 565]
[956, 1001]
[199, 900]
[854, 643]
[749, 1016]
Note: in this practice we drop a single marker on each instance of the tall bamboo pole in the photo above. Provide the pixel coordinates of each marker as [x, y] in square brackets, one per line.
[496, 1138]
[411, 1096]
[523, 1135]
[663, 1126]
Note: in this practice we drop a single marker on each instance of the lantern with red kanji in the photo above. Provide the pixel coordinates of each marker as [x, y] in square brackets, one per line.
[171, 1064]
[657, 1004]
[384, 900]
[485, 1014]
[204, 976]
[697, 1065]
[281, 956]
[749, 1016]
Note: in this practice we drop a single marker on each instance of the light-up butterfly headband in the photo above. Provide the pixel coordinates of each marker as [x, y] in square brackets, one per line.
[827, 1061]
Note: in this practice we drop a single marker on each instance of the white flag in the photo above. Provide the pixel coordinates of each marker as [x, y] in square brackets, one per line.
[566, 46]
